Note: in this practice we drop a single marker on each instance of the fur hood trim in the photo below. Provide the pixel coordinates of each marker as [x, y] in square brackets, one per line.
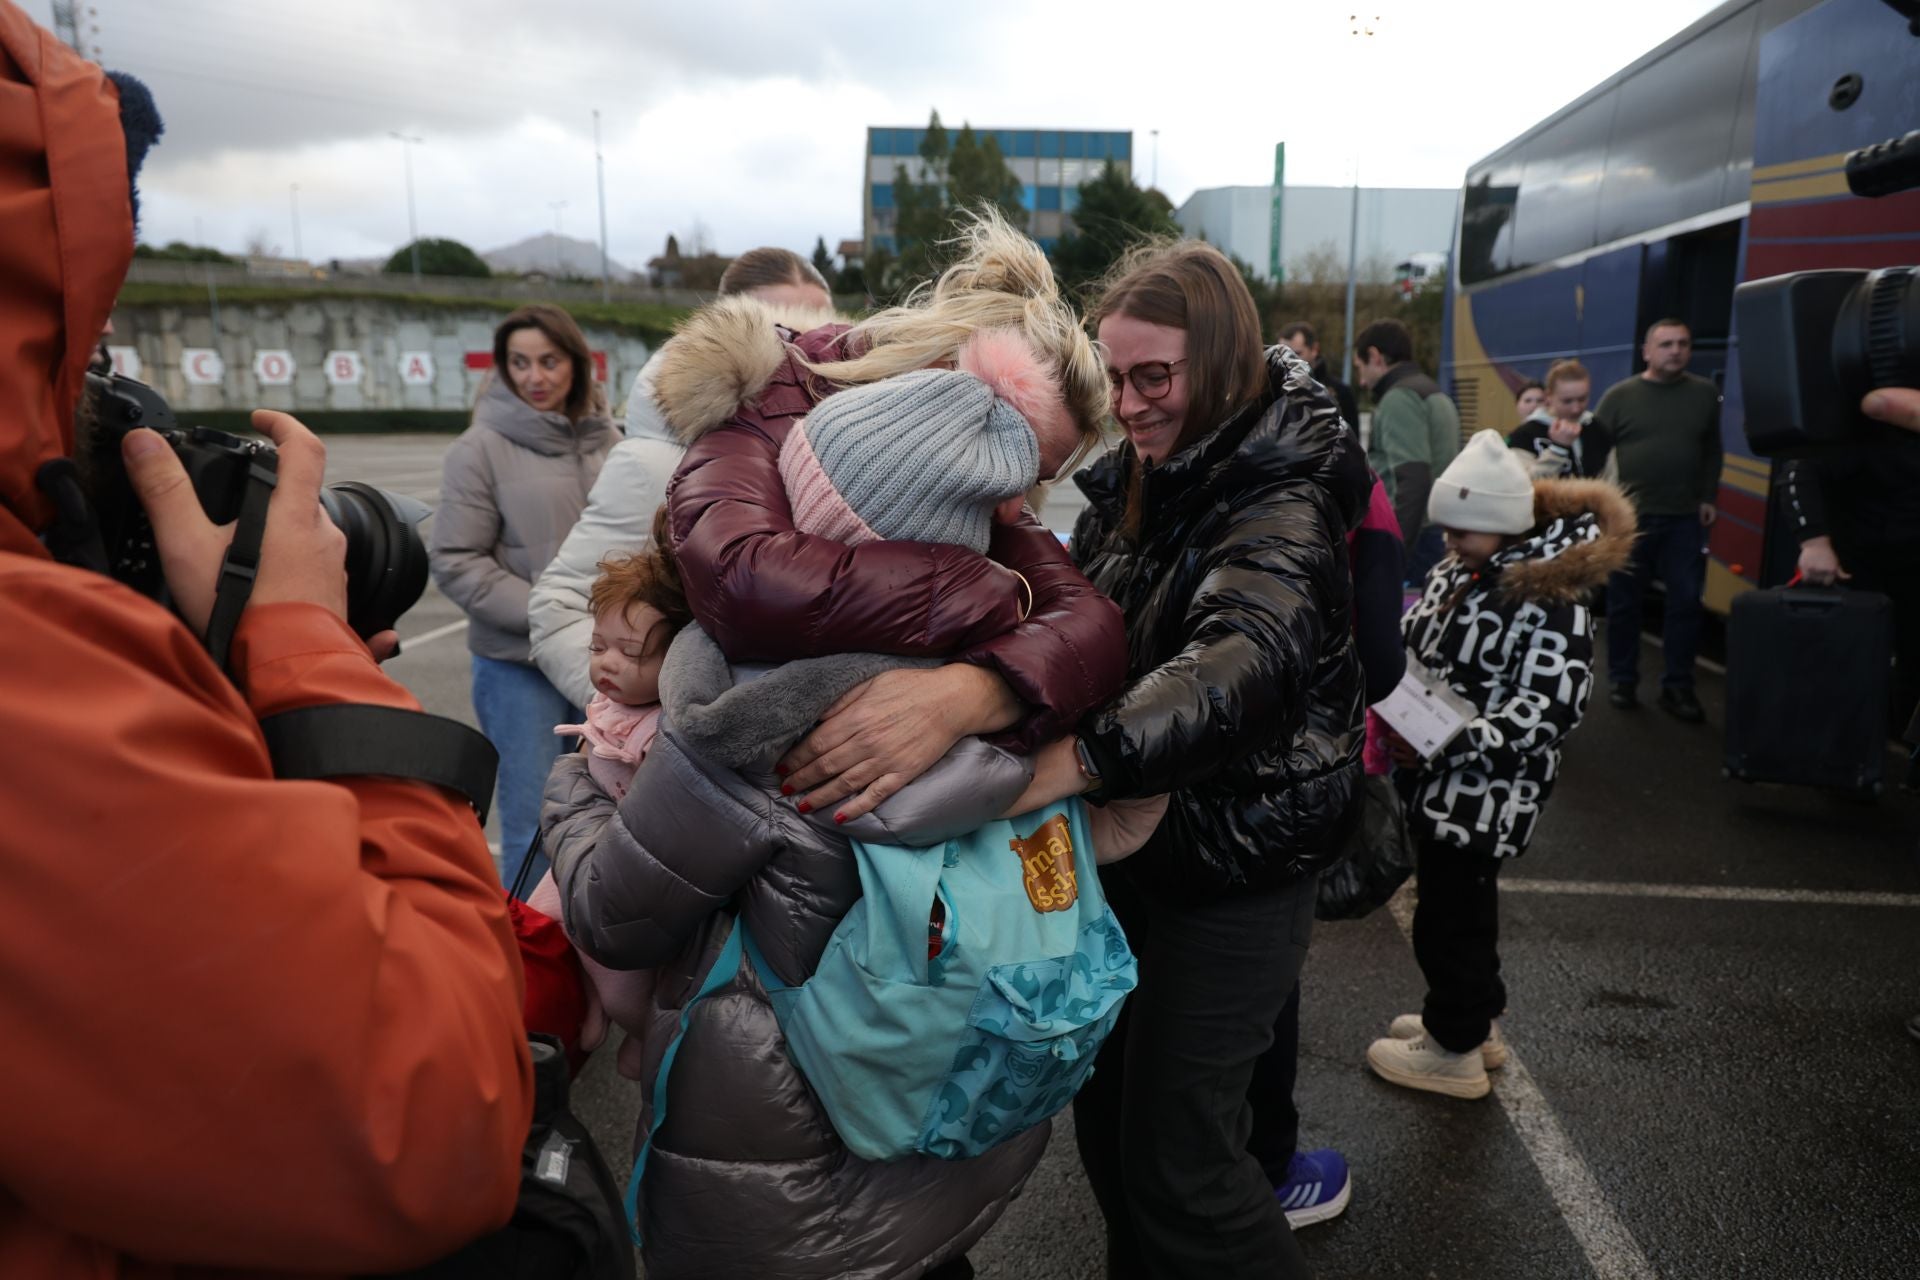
[723, 357]
[1584, 533]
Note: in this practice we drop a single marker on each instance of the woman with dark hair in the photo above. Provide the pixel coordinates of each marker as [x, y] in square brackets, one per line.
[511, 487]
[1219, 528]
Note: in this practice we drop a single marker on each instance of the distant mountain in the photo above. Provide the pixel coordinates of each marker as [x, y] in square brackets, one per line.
[553, 255]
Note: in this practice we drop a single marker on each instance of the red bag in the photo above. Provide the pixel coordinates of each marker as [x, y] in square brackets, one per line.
[556, 986]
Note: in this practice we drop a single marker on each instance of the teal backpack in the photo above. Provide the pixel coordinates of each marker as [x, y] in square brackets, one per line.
[949, 1054]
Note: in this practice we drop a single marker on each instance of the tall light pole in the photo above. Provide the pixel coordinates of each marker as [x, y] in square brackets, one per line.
[293, 197]
[556, 206]
[407, 144]
[1361, 29]
[1156, 159]
[600, 172]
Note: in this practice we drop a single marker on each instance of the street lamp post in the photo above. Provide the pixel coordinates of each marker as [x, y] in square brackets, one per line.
[407, 144]
[600, 173]
[293, 197]
[1363, 29]
[1156, 159]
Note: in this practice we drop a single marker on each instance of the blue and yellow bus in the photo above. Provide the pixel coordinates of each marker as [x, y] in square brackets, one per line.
[1714, 159]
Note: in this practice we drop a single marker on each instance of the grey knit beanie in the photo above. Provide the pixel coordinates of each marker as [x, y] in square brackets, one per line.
[921, 457]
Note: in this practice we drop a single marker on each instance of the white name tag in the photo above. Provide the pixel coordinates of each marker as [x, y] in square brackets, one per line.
[1424, 711]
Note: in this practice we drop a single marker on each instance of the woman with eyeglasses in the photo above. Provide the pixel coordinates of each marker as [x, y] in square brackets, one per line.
[1218, 526]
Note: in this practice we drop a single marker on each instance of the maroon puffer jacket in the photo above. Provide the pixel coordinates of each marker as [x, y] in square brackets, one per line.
[731, 385]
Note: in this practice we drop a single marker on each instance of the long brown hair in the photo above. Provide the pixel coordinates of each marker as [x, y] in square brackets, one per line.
[1192, 286]
[768, 266]
[563, 333]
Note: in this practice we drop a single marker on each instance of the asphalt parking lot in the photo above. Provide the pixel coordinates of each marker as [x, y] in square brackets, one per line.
[1708, 989]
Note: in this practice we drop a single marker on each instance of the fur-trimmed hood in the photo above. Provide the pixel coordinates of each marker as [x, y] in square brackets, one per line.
[1583, 534]
[723, 357]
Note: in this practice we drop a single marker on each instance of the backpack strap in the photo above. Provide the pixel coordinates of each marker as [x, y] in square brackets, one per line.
[726, 966]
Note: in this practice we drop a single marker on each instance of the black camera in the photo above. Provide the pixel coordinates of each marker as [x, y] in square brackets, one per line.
[1812, 344]
[386, 558]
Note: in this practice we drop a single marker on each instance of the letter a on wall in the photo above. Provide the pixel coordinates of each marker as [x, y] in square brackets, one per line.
[416, 368]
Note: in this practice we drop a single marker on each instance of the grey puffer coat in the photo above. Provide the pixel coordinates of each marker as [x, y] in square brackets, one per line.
[746, 1176]
[510, 488]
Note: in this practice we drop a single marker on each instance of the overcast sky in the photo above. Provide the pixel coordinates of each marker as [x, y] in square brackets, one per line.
[748, 117]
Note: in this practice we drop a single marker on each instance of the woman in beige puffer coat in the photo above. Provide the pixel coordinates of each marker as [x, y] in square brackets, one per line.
[511, 487]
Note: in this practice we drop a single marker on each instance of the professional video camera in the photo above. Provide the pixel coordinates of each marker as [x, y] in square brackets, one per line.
[386, 559]
[1813, 343]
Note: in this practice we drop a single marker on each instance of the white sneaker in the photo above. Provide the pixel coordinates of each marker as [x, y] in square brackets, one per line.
[1493, 1050]
[1421, 1064]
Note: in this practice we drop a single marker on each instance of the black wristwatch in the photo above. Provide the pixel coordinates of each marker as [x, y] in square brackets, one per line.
[1084, 757]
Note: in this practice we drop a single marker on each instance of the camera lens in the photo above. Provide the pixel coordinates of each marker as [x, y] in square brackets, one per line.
[1876, 337]
[386, 557]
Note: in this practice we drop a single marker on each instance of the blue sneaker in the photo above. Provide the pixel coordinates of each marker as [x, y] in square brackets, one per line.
[1317, 1187]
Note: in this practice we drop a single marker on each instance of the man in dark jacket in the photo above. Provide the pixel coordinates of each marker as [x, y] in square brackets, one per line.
[1665, 425]
[1305, 343]
[1416, 432]
[1857, 518]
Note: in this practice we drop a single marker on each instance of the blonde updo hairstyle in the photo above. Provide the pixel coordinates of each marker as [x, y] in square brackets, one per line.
[1000, 280]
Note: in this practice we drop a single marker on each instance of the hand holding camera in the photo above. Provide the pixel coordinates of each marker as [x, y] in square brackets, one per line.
[303, 555]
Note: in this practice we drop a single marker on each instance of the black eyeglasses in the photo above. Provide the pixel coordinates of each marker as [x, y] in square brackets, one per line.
[1151, 378]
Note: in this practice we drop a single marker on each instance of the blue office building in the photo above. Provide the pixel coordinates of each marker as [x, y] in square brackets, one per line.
[1050, 163]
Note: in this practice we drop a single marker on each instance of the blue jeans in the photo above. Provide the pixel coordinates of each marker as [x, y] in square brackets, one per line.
[518, 710]
[1673, 549]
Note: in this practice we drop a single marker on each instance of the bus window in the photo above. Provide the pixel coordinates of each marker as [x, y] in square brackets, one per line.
[1560, 185]
[1672, 144]
[1486, 238]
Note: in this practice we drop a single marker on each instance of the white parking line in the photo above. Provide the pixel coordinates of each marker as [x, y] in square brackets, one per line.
[409, 643]
[1709, 892]
[1611, 1249]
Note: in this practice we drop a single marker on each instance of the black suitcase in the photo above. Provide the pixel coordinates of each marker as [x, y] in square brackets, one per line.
[1807, 687]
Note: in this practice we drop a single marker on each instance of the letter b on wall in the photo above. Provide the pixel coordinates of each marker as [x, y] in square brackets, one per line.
[345, 368]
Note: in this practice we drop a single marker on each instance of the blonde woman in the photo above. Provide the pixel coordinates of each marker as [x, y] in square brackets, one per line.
[1032, 642]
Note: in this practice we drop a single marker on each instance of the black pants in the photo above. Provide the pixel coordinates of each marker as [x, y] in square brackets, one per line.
[1163, 1126]
[1456, 938]
[1893, 569]
[1276, 1121]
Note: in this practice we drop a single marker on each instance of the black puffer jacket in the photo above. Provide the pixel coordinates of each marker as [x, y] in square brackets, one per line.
[1245, 699]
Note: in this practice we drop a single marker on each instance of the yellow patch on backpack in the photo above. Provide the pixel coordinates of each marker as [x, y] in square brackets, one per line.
[1046, 857]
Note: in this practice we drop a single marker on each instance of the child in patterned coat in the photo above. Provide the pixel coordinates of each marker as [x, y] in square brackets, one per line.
[1504, 620]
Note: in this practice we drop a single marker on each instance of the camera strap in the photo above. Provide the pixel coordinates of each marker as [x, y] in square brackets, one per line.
[345, 740]
[241, 564]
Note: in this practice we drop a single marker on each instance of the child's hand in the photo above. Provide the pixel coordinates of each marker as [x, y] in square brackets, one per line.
[1400, 751]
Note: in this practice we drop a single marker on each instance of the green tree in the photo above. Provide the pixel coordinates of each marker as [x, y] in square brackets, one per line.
[822, 258]
[181, 251]
[960, 173]
[978, 176]
[438, 258]
[1112, 217]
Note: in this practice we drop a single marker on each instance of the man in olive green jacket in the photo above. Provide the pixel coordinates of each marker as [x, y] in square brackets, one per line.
[1416, 432]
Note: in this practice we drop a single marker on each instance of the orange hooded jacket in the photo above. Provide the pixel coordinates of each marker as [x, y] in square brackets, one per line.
[245, 1025]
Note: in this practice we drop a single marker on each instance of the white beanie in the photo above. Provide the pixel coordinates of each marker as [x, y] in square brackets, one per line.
[1485, 489]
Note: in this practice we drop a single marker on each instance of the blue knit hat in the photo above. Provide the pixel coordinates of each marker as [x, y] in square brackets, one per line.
[921, 457]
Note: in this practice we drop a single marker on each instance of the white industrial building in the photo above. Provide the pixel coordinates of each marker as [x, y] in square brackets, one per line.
[1397, 224]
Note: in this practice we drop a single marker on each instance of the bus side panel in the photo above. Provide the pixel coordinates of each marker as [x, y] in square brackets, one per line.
[1607, 319]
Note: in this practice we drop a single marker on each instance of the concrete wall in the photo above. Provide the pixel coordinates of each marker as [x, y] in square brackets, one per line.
[1395, 222]
[379, 330]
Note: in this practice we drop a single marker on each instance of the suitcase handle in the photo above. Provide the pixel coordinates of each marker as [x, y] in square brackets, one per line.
[1801, 599]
